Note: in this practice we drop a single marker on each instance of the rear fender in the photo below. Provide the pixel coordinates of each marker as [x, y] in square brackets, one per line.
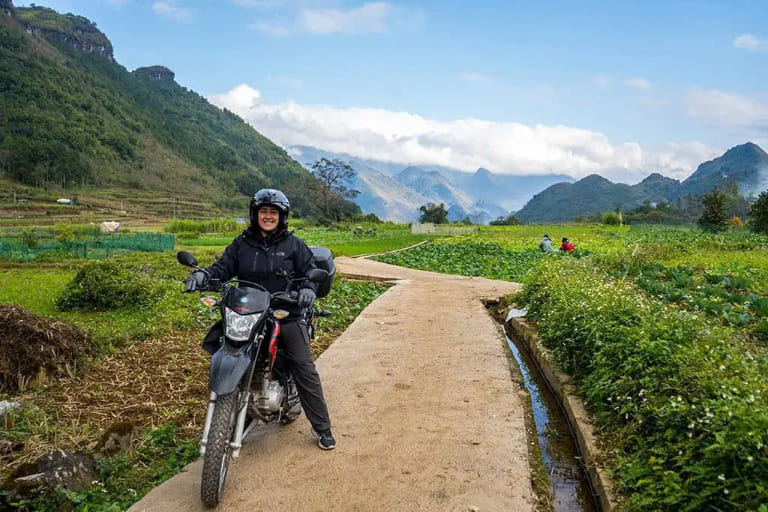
[228, 365]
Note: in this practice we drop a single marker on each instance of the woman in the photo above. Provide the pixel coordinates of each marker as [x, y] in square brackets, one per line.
[256, 255]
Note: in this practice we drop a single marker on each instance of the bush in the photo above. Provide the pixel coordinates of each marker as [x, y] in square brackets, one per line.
[222, 225]
[683, 403]
[759, 213]
[611, 218]
[65, 233]
[110, 285]
[29, 237]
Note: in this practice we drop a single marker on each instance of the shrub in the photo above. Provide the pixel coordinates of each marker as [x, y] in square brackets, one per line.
[65, 233]
[611, 218]
[759, 213]
[110, 285]
[29, 237]
[683, 403]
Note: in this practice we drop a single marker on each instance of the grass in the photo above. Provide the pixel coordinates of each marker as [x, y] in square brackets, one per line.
[148, 354]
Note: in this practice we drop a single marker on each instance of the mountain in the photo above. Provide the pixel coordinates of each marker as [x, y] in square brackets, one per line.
[72, 118]
[481, 195]
[745, 165]
[509, 191]
[380, 194]
[591, 196]
[433, 184]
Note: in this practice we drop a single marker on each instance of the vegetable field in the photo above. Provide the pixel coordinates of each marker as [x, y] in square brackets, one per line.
[666, 333]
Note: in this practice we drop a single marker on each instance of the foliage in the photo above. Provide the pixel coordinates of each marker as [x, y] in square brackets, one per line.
[468, 258]
[510, 220]
[65, 233]
[29, 237]
[124, 479]
[612, 218]
[334, 176]
[224, 226]
[434, 213]
[684, 406]
[759, 214]
[70, 118]
[715, 215]
[109, 285]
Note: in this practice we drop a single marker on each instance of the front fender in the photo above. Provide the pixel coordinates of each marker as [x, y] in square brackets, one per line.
[228, 365]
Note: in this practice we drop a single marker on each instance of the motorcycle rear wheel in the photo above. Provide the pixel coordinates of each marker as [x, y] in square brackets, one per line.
[217, 451]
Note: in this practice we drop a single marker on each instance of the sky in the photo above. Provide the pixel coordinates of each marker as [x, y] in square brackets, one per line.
[622, 89]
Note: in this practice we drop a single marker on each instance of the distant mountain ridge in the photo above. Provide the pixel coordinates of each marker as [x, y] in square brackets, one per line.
[482, 196]
[745, 166]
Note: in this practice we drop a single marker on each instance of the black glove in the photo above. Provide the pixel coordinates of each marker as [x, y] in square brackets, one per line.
[306, 297]
[196, 281]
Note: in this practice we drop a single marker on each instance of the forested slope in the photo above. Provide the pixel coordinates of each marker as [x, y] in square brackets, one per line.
[72, 118]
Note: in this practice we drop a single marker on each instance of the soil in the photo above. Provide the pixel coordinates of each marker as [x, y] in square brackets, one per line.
[33, 347]
[424, 411]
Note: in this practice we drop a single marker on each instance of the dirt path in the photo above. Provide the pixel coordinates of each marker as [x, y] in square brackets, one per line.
[425, 414]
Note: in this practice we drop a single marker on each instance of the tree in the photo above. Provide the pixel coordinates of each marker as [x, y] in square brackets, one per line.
[758, 212]
[715, 215]
[333, 176]
[436, 214]
[506, 221]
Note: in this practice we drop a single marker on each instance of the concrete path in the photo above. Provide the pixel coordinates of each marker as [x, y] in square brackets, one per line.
[425, 414]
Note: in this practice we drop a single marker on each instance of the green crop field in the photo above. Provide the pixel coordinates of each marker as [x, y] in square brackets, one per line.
[665, 331]
[142, 329]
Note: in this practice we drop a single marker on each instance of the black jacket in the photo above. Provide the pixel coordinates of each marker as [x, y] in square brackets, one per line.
[253, 258]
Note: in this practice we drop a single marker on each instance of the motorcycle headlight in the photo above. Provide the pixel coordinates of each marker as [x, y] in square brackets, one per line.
[239, 326]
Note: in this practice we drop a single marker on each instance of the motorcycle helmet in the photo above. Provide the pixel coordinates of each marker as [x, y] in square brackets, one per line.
[271, 197]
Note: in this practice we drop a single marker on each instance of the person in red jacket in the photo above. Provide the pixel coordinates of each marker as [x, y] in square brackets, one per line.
[567, 245]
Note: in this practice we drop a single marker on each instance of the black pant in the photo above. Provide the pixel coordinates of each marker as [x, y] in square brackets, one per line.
[294, 341]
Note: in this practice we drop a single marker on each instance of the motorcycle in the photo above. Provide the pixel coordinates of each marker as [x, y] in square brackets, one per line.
[248, 381]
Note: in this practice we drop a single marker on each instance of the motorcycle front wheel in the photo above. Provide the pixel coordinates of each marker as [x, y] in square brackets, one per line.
[217, 451]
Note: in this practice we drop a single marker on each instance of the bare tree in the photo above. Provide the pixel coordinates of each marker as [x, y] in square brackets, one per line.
[334, 175]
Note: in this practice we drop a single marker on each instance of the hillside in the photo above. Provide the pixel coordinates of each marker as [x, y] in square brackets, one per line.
[745, 165]
[73, 119]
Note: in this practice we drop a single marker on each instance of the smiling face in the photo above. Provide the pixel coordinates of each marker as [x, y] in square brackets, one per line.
[268, 217]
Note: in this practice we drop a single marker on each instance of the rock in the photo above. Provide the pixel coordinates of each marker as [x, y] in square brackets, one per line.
[473, 508]
[54, 470]
[358, 230]
[117, 440]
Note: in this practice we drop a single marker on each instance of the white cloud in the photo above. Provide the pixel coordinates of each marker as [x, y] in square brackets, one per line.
[475, 77]
[239, 99]
[728, 110]
[505, 147]
[170, 10]
[369, 18]
[638, 83]
[751, 42]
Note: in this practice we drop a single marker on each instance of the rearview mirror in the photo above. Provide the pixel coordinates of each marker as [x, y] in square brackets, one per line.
[186, 259]
[317, 275]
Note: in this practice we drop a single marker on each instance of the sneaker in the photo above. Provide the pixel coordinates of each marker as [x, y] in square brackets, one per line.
[325, 439]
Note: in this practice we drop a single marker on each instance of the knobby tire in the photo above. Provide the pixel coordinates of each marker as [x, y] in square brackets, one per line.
[217, 451]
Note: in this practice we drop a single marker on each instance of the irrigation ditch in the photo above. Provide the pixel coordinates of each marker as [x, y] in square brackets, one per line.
[566, 458]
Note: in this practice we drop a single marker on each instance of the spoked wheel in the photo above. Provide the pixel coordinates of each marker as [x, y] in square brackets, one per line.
[217, 451]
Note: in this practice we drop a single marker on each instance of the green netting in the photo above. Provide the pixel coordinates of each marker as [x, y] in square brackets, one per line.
[101, 246]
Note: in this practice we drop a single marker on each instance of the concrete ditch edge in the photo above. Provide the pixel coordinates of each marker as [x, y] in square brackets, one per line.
[578, 417]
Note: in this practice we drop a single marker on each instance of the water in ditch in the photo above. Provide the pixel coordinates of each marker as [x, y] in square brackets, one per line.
[570, 485]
